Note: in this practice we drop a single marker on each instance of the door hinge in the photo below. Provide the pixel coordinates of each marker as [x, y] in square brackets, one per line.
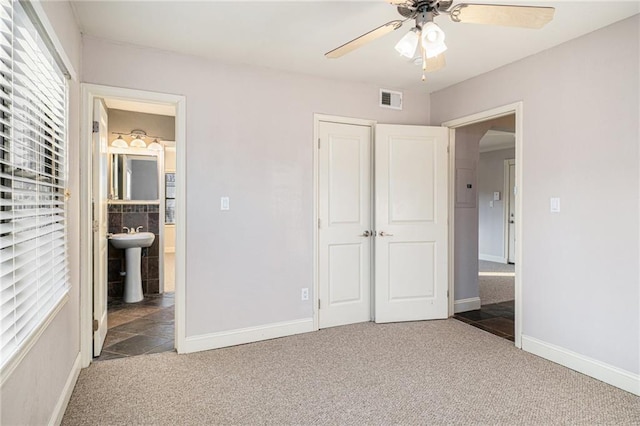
[447, 149]
[318, 223]
[96, 127]
[447, 293]
[95, 226]
[318, 143]
[318, 303]
[95, 325]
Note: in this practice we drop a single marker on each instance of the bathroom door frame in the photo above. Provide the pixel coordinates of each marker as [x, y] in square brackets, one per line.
[90, 92]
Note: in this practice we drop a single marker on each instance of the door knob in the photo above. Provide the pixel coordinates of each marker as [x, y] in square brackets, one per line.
[385, 234]
[366, 234]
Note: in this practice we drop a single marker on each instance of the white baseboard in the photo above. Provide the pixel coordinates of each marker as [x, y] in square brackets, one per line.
[492, 258]
[65, 395]
[464, 305]
[247, 335]
[614, 376]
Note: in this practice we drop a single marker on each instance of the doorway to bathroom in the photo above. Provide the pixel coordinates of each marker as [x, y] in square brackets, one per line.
[133, 207]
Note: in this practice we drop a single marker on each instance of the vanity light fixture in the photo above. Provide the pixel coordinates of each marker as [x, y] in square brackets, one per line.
[119, 143]
[138, 140]
[155, 145]
[138, 135]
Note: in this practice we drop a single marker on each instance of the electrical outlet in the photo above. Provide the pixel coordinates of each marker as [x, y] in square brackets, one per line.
[305, 294]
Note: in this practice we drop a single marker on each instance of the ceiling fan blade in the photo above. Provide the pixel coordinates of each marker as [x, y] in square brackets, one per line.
[506, 15]
[364, 39]
[401, 2]
[435, 63]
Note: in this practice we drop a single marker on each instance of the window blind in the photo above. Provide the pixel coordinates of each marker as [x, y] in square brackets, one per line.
[34, 274]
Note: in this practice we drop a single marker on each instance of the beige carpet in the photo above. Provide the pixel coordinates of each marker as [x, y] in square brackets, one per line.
[419, 373]
[496, 282]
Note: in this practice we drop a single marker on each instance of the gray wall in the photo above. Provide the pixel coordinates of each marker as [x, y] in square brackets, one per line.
[163, 126]
[491, 219]
[580, 267]
[466, 211]
[249, 137]
[31, 392]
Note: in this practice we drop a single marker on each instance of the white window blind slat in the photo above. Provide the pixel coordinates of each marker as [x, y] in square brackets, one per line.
[31, 136]
[33, 164]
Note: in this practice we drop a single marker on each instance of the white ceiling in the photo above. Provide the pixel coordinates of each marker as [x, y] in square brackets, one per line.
[294, 35]
[495, 140]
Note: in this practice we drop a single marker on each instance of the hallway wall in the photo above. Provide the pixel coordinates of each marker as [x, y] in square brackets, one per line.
[491, 219]
[580, 143]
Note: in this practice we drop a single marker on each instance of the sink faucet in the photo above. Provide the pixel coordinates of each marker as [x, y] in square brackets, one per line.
[126, 230]
[138, 228]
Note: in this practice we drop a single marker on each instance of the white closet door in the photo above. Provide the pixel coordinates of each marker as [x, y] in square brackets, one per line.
[411, 279]
[344, 257]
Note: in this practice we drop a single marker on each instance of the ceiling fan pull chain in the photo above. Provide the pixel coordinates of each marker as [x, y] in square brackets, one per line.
[424, 62]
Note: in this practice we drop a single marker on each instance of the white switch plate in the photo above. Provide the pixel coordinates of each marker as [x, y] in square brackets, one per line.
[554, 205]
[496, 196]
[224, 203]
[491, 203]
[305, 294]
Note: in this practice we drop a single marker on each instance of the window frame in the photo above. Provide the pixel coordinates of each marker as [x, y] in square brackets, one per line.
[49, 50]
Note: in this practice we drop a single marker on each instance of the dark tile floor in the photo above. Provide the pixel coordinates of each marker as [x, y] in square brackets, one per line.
[139, 328]
[496, 318]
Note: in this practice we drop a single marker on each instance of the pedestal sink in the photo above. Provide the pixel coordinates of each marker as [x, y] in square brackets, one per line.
[132, 245]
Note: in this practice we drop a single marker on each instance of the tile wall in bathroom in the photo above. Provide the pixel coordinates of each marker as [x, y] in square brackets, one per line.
[134, 215]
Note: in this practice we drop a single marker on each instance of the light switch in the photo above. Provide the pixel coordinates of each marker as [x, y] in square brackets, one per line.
[496, 196]
[224, 203]
[491, 203]
[554, 205]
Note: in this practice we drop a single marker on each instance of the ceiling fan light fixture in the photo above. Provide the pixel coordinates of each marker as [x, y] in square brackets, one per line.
[435, 51]
[433, 39]
[408, 44]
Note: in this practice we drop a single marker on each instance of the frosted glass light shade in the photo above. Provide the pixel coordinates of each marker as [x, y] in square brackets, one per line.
[155, 146]
[119, 143]
[433, 39]
[138, 143]
[435, 51]
[408, 44]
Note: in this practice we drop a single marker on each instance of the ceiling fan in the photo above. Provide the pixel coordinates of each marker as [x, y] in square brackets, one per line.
[424, 43]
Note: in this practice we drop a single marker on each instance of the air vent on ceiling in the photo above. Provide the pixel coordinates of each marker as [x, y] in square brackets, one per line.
[390, 99]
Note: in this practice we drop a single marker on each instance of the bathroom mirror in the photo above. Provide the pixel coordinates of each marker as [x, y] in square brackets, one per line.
[133, 176]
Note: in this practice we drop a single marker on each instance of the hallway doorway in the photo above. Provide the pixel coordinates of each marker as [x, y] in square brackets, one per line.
[486, 289]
